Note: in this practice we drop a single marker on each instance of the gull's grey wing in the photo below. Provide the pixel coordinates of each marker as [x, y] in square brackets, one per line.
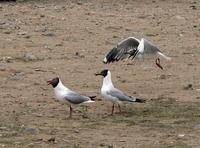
[149, 48]
[75, 98]
[120, 95]
[125, 48]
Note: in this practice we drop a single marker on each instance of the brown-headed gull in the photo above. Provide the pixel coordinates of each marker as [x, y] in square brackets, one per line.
[113, 94]
[65, 95]
[133, 47]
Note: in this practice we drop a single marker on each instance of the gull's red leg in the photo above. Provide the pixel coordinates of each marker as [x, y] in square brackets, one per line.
[70, 111]
[158, 63]
[113, 106]
[119, 108]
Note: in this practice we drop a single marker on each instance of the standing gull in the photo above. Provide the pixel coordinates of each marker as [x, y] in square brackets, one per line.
[113, 94]
[133, 47]
[65, 95]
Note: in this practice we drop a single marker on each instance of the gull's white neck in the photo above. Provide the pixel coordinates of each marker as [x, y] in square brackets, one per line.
[107, 81]
[61, 91]
[60, 87]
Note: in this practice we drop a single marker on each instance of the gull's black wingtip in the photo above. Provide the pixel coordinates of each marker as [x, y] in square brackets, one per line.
[111, 56]
[140, 100]
[92, 98]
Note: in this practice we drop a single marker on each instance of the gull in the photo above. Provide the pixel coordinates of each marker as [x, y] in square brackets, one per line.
[65, 95]
[133, 47]
[113, 94]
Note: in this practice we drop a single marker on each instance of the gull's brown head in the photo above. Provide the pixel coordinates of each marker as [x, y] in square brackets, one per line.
[54, 82]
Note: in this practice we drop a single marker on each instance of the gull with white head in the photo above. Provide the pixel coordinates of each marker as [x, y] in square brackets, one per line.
[113, 94]
[133, 47]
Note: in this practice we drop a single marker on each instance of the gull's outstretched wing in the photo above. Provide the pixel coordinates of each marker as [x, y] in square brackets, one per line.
[124, 49]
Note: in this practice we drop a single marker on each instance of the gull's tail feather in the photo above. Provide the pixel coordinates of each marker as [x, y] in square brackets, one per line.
[164, 56]
[92, 98]
[134, 99]
[140, 100]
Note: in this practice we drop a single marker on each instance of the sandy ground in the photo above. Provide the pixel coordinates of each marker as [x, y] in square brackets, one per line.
[40, 40]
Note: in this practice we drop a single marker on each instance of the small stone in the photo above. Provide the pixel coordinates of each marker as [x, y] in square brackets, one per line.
[128, 29]
[52, 139]
[27, 36]
[2, 22]
[152, 34]
[162, 76]
[7, 59]
[3, 69]
[179, 17]
[22, 33]
[42, 15]
[29, 57]
[115, 36]
[7, 32]
[188, 87]
[181, 35]
[123, 81]
[32, 130]
[59, 44]
[63, 19]
[193, 7]
[110, 146]
[50, 34]
[79, 3]
[14, 78]
[3, 128]
[102, 144]
[38, 115]
[198, 97]
[181, 135]
[76, 131]
[2, 145]
[77, 53]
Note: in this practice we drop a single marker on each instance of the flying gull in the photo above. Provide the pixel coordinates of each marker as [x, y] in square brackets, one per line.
[133, 47]
[65, 95]
[113, 94]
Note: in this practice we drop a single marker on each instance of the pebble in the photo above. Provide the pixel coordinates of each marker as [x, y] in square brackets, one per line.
[3, 69]
[7, 32]
[32, 130]
[181, 135]
[3, 128]
[162, 76]
[180, 17]
[29, 57]
[7, 59]
[50, 34]
[14, 78]
[22, 33]
[193, 7]
[188, 87]
[52, 139]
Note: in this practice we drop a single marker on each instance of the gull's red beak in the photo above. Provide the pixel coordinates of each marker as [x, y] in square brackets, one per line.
[97, 74]
[49, 82]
